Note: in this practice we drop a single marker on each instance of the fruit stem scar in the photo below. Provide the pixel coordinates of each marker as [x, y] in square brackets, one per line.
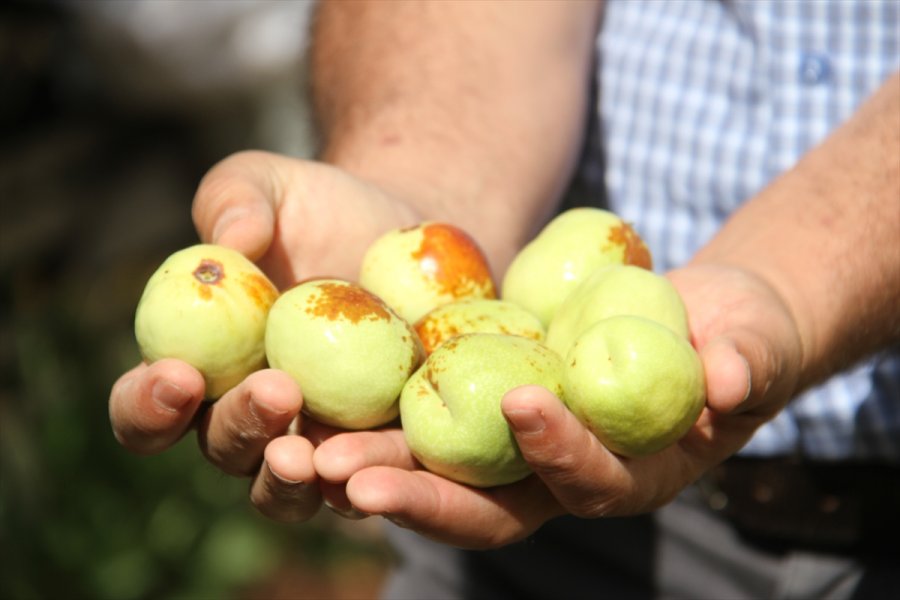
[209, 272]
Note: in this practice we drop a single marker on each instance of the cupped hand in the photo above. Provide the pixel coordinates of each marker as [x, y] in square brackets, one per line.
[297, 219]
[750, 348]
[153, 406]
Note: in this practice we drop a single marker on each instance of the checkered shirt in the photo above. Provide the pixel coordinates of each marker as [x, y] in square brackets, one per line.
[701, 103]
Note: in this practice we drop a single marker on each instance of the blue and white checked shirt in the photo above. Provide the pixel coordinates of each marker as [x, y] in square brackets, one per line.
[701, 103]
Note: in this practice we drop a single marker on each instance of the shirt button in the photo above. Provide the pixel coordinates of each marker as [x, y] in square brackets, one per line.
[814, 69]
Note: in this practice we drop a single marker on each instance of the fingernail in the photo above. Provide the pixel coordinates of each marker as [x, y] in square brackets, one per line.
[169, 396]
[526, 421]
[347, 513]
[263, 409]
[226, 219]
[749, 379]
[399, 522]
[285, 480]
[282, 479]
[286, 489]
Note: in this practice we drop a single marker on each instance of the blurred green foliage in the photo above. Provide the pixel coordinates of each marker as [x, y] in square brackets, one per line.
[94, 194]
[83, 518]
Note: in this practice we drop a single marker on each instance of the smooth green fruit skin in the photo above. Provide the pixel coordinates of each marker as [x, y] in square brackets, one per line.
[565, 253]
[617, 290]
[349, 352]
[635, 384]
[218, 326]
[450, 408]
[477, 316]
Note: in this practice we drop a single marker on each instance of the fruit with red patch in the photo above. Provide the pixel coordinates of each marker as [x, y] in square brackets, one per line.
[419, 268]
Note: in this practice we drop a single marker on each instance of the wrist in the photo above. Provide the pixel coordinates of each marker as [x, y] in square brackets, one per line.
[346, 214]
[421, 189]
[789, 325]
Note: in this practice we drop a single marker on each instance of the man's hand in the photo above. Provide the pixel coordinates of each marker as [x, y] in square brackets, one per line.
[446, 141]
[297, 219]
[797, 285]
[744, 333]
[152, 407]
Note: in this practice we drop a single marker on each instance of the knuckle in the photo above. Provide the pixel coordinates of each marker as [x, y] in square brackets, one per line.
[237, 447]
[556, 466]
[282, 502]
[142, 440]
[593, 508]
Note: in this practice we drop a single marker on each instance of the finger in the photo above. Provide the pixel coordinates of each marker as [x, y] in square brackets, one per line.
[334, 496]
[745, 374]
[729, 418]
[235, 202]
[319, 432]
[237, 428]
[449, 512]
[339, 457]
[285, 489]
[152, 406]
[728, 375]
[580, 472]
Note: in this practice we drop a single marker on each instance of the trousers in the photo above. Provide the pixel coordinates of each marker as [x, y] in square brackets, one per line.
[684, 550]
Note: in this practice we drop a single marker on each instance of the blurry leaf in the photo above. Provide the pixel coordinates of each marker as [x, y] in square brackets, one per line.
[18, 458]
[215, 488]
[125, 576]
[173, 528]
[100, 193]
[237, 552]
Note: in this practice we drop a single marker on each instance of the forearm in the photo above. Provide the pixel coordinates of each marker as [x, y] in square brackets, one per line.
[471, 112]
[826, 236]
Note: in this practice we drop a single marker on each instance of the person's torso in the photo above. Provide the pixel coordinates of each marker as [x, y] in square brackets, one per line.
[701, 103]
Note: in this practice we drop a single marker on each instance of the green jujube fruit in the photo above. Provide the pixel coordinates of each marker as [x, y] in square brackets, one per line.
[617, 290]
[636, 384]
[476, 316]
[450, 408]
[565, 252]
[348, 351]
[206, 305]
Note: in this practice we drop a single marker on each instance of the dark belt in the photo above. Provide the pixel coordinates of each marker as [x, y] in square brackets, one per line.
[790, 504]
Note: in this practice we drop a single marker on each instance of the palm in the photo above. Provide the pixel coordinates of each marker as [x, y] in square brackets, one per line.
[302, 219]
[297, 218]
[730, 311]
[725, 302]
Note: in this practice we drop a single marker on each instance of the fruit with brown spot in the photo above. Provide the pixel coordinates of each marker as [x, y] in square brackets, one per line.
[348, 351]
[207, 305]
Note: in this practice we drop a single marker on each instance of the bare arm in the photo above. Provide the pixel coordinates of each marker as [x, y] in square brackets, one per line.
[444, 105]
[826, 236]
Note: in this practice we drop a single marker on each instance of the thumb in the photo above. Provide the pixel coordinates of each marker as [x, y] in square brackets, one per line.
[235, 203]
[564, 454]
[728, 375]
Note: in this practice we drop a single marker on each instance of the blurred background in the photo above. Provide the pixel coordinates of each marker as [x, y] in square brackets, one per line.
[110, 113]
